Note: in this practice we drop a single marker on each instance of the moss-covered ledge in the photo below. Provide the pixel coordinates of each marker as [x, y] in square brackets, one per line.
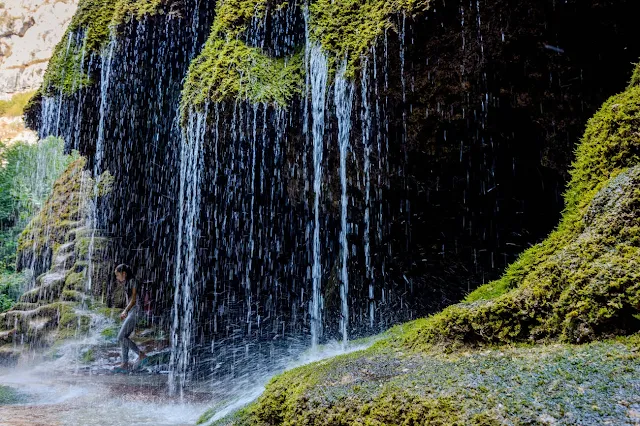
[228, 69]
[94, 21]
[516, 385]
[349, 28]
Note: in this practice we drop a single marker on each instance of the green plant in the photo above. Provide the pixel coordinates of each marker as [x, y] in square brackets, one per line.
[27, 175]
[11, 285]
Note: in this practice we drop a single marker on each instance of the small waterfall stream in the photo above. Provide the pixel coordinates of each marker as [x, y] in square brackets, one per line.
[318, 77]
[185, 286]
[344, 103]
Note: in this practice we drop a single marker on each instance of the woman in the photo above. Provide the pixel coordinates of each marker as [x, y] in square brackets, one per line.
[129, 315]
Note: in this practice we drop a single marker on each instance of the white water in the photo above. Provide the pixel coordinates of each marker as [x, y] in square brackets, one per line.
[344, 103]
[185, 296]
[59, 389]
[365, 118]
[319, 72]
[105, 83]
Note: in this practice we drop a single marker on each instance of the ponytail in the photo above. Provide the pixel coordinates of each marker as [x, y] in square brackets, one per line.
[123, 267]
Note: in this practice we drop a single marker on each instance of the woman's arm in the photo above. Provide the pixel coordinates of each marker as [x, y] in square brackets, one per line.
[131, 304]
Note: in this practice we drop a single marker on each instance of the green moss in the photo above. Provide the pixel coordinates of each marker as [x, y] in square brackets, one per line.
[97, 20]
[9, 395]
[62, 213]
[635, 77]
[71, 296]
[88, 356]
[349, 28]
[62, 209]
[109, 333]
[554, 384]
[65, 69]
[71, 321]
[228, 69]
[80, 266]
[83, 245]
[112, 313]
[581, 284]
[74, 281]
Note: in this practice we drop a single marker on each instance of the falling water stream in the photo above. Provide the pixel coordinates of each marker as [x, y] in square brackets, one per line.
[186, 291]
[318, 70]
[344, 103]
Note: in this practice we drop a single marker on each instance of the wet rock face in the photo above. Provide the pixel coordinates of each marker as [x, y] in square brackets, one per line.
[29, 31]
[474, 111]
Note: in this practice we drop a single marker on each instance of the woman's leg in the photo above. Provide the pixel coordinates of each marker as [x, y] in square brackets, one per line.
[127, 328]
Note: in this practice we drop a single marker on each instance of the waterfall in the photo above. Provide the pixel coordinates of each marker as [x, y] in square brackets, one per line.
[344, 103]
[365, 118]
[105, 74]
[185, 286]
[318, 70]
[249, 261]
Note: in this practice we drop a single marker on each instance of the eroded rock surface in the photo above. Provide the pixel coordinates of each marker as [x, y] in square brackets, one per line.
[29, 31]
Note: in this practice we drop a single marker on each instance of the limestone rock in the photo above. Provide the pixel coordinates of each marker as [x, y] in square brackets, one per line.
[29, 31]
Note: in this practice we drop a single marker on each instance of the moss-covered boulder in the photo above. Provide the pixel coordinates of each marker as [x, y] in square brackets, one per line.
[63, 211]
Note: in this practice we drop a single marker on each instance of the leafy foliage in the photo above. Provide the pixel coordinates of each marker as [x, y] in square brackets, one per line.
[27, 173]
[11, 285]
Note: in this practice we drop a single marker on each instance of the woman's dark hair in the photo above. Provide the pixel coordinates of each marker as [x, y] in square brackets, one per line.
[123, 267]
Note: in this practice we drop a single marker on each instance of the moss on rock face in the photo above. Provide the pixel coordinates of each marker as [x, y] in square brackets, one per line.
[349, 28]
[11, 396]
[75, 281]
[61, 218]
[95, 20]
[229, 69]
[546, 384]
[579, 285]
[635, 78]
[60, 213]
